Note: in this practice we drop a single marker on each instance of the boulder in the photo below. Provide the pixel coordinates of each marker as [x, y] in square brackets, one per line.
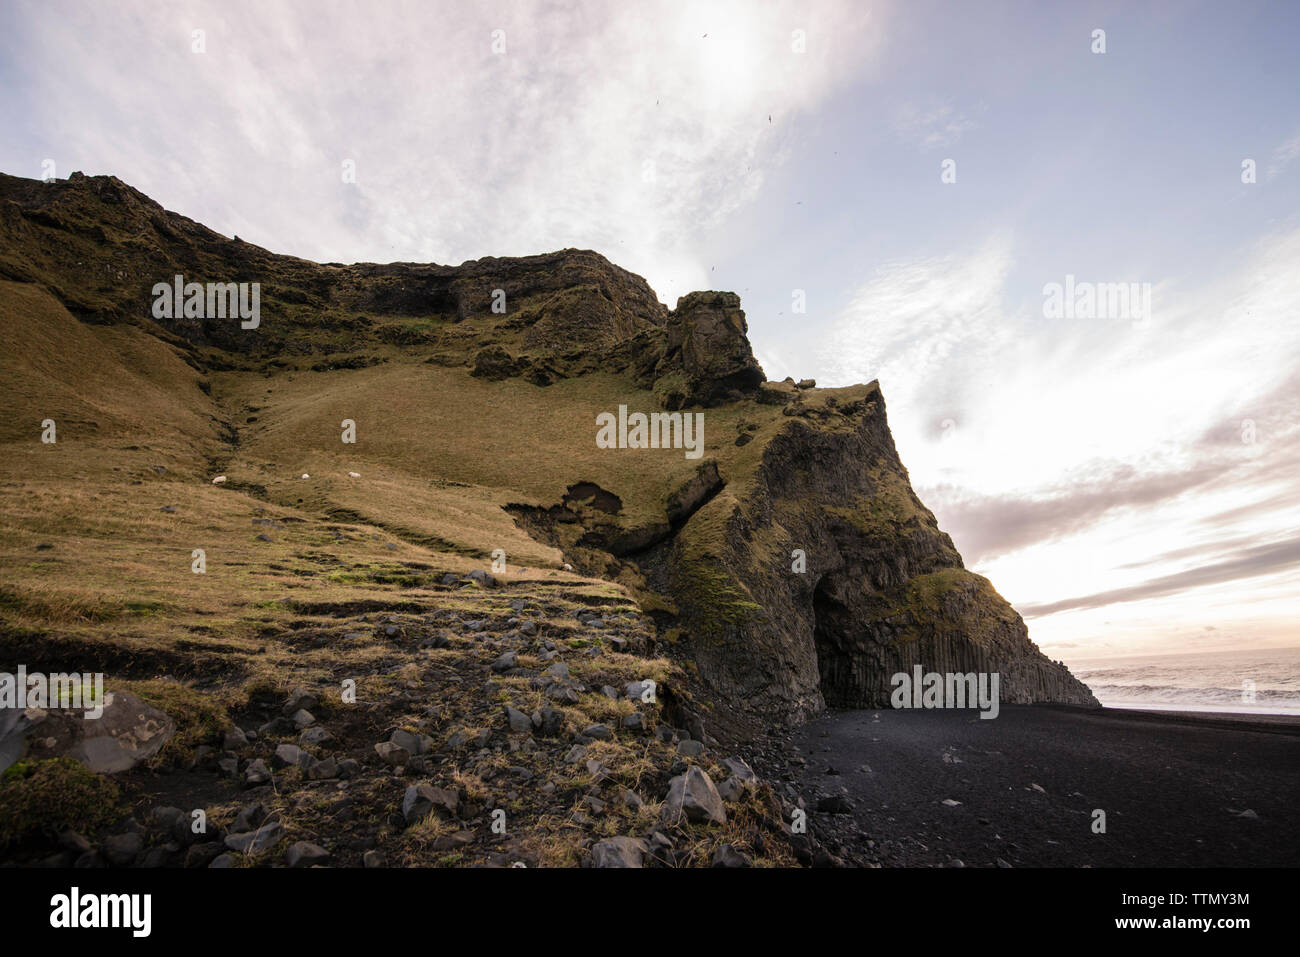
[306, 854]
[694, 795]
[253, 842]
[729, 856]
[618, 852]
[127, 733]
[421, 800]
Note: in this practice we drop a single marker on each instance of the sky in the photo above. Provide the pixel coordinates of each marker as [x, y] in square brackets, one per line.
[917, 175]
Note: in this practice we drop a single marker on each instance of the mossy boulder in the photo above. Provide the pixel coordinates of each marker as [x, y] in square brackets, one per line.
[52, 796]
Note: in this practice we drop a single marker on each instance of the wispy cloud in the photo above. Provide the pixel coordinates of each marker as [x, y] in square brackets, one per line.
[1083, 465]
[933, 125]
[1251, 563]
[1283, 156]
[631, 130]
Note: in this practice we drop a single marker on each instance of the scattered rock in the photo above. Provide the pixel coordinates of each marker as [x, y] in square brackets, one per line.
[835, 804]
[287, 755]
[618, 852]
[728, 856]
[306, 854]
[121, 849]
[421, 800]
[392, 754]
[694, 795]
[254, 842]
[519, 722]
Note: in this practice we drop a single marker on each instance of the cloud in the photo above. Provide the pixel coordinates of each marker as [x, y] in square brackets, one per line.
[1250, 563]
[1283, 156]
[934, 125]
[630, 130]
[912, 320]
[1091, 459]
[990, 526]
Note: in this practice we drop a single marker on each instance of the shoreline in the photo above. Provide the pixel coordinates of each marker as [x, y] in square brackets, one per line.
[917, 788]
[1264, 721]
[1192, 709]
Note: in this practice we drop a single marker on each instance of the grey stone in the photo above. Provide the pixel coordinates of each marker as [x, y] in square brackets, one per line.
[694, 795]
[247, 819]
[519, 722]
[300, 700]
[314, 736]
[741, 770]
[287, 755]
[323, 770]
[729, 856]
[392, 754]
[256, 773]
[306, 854]
[254, 842]
[121, 849]
[835, 804]
[618, 852]
[421, 800]
[550, 722]
[413, 743]
[690, 748]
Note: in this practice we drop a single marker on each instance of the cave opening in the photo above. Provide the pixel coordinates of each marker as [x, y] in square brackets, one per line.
[839, 669]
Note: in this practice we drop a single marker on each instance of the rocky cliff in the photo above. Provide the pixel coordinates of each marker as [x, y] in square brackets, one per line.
[790, 568]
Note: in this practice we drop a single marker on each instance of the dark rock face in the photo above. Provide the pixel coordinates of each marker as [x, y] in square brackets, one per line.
[883, 588]
[100, 246]
[707, 358]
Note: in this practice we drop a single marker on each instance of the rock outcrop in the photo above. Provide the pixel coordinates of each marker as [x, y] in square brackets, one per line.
[707, 358]
[824, 575]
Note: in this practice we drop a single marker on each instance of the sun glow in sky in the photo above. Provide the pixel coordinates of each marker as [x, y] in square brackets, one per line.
[1129, 483]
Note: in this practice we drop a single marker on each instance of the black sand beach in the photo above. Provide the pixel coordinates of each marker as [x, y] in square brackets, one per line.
[1174, 787]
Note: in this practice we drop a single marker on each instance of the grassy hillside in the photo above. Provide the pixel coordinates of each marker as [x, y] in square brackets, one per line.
[306, 577]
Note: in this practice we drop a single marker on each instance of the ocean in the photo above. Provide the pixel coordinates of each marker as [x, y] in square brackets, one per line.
[1246, 682]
